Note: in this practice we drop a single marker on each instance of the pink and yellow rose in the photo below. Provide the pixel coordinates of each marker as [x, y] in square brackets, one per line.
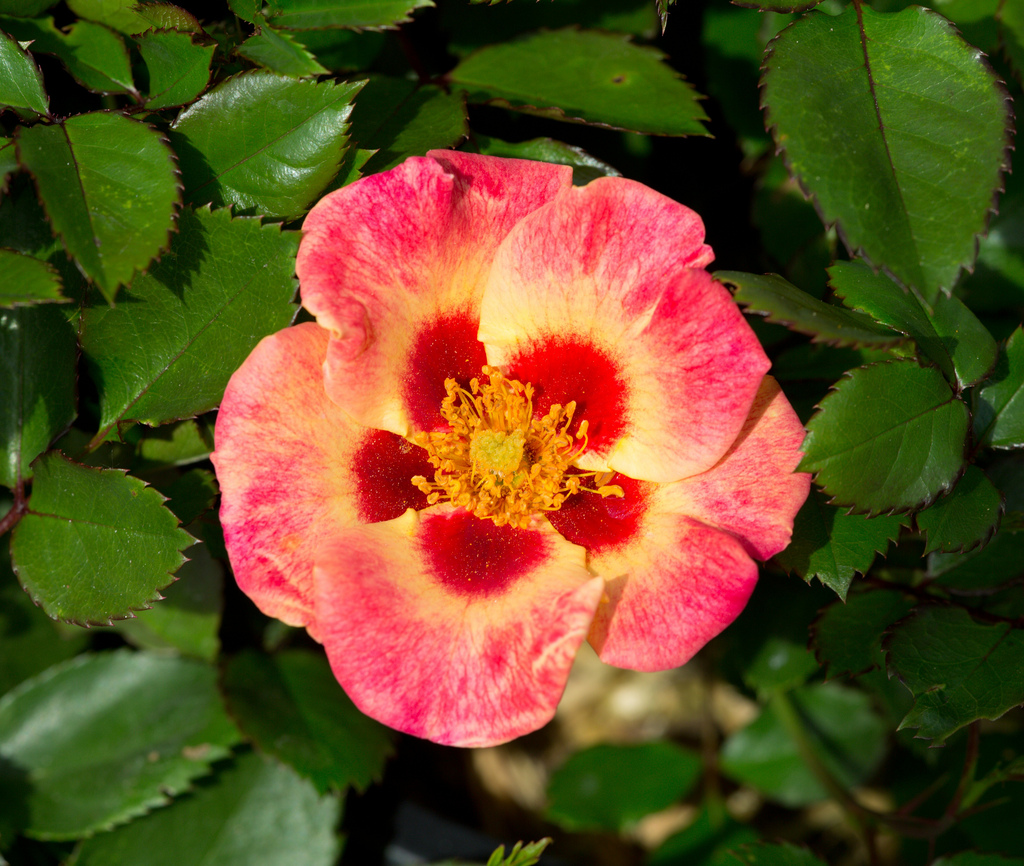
[526, 416]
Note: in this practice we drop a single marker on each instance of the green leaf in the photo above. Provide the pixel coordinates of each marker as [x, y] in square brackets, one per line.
[254, 812]
[173, 445]
[279, 52]
[888, 438]
[1011, 19]
[25, 8]
[584, 77]
[292, 707]
[841, 727]
[247, 10]
[782, 303]
[38, 372]
[95, 55]
[120, 15]
[342, 50]
[775, 854]
[999, 402]
[847, 638]
[704, 842]
[262, 142]
[585, 167]
[998, 278]
[779, 664]
[175, 69]
[399, 119]
[974, 858]
[898, 130]
[610, 788]
[191, 495]
[95, 544]
[520, 855]
[27, 280]
[819, 362]
[21, 85]
[201, 311]
[167, 16]
[982, 568]
[110, 188]
[99, 740]
[353, 14]
[8, 162]
[957, 669]
[187, 620]
[965, 517]
[945, 330]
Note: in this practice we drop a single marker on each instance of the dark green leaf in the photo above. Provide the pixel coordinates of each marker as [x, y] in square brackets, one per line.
[584, 77]
[965, 517]
[175, 68]
[247, 10]
[292, 707]
[121, 15]
[781, 854]
[21, 85]
[610, 788]
[93, 54]
[997, 563]
[27, 280]
[173, 445]
[897, 128]
[958, 670]
[342, 50]
[819, 362]
[25, 8]
[779, 663]
[167, 16]
[191, 495]
[38, 355]
[704, 842]
[254, 812]
[109, 186]
[847, 637]
[101, 739]
[889, 437]
[353, 14]
[946, 330]
[265, 143]
[847, 736]
[95, 544]
[8, 162]
[1011, 17]
[399, 119]
[279, 52]
[585, 167]
[974, 858]
[201, 310]
[187, 620]
[999, 404]
[782, 303]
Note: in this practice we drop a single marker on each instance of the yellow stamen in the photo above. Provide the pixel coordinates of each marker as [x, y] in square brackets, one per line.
[497, 460]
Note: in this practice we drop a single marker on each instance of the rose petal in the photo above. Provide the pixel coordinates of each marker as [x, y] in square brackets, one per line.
[294, 470]
[600, 293]
[394, 266]
[446, 627]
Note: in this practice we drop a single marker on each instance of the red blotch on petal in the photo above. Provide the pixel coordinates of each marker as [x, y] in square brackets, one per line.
[384, 467]
[470, 556]
[601, 523]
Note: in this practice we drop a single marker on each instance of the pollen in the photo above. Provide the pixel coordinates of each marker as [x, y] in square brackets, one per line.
[497, 460]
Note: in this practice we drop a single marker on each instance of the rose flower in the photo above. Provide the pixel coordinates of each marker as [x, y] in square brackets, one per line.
[526, 416]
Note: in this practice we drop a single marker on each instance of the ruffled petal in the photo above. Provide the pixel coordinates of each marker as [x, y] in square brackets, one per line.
[447, 627]
[294, 470]
[599, 297]
[394, 266]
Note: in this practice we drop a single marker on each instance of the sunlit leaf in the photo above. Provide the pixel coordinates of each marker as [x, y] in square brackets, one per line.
[966, 516]
[847, 637]
[999, 405]
[121, 15]
[95, 544]
[897, 128]
[176, 69]
[174, 445]
[354, 14]
[279, 52]
[584, 77]
[585, 167]
[21, 85]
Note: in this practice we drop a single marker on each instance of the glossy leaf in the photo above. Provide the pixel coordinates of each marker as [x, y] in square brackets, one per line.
[847, 736]
[95, 55]
[833, 546]
[782, 303]
[585, 167]
[958, 669]
[176, 68]
[187, 620]
[202, 310]
[21, 85]
[279, 52]
[167, 16]
[888, 438]
[999, 404]
[95, 544]
[965, 517]
[292, 707]
[27, 280]
[584, 77]
[946, 331]
[898, 130]
[399, 119]
[775, 854]
[254, 812]
[109, 186]
[120, 15]
[263, 143]
[609, 788]
[353, 14]
[38, 354]
[101, 739]
[847, 637]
